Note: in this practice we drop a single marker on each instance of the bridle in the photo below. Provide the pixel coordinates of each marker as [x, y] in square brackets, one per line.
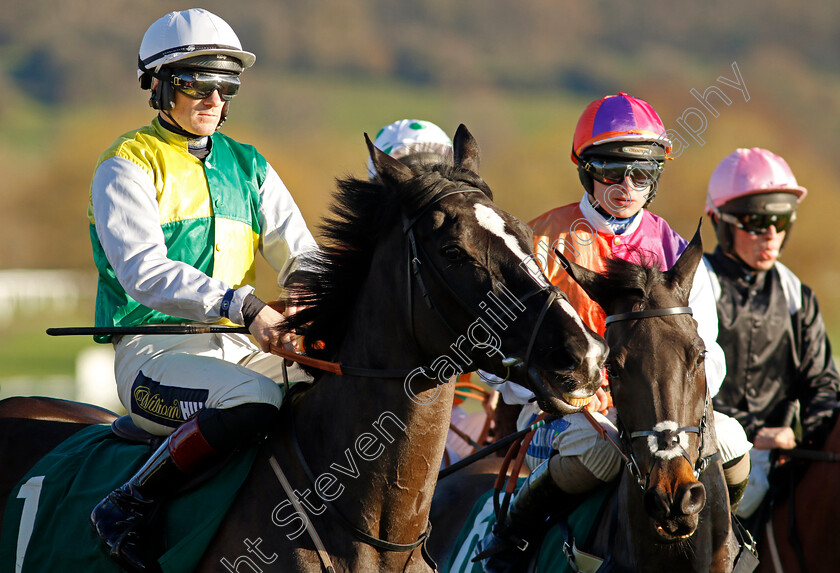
[670, 437]
[418, 259]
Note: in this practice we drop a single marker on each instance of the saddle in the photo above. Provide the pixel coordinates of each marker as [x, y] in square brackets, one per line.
[54, 410]
[125, 428]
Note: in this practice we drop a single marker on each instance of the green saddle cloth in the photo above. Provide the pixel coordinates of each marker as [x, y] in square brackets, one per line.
[551, 556]
[46, 526]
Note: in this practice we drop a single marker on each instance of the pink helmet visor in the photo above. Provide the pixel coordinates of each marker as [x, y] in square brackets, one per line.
[749, 172]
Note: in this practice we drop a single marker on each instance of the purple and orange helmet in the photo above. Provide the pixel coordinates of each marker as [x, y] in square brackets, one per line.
[620, 119]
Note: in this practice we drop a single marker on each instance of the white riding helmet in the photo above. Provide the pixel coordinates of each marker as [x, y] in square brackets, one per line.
[186, 34]
[409, 137]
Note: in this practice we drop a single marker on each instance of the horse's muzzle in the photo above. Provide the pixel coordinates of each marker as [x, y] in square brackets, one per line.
[560, 393]
[674, 499]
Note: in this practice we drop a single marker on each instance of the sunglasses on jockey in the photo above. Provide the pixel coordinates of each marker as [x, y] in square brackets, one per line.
[613, 172]
[758, 224]
[200, 85]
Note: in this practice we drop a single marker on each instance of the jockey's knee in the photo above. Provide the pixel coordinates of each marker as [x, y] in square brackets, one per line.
[254, 390]
[737, 470]
[598, 455]
[571, 475]
[732, 440]
[250, 405]
[602, 459]
[225, 429]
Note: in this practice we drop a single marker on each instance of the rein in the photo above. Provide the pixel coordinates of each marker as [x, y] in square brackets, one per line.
[811, 455]
[670, 436]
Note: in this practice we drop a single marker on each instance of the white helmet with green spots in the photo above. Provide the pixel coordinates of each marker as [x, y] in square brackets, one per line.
[409, 137]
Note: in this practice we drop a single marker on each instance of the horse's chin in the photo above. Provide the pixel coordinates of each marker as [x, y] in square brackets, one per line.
[676, 530]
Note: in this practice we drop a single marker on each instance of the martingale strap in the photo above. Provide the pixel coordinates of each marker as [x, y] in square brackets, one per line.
[310, 529]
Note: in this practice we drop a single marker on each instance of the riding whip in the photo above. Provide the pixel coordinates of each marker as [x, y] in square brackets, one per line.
[151, 329]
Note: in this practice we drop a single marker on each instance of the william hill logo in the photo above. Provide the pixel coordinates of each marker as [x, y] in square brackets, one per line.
[156, 404]
[165, 405]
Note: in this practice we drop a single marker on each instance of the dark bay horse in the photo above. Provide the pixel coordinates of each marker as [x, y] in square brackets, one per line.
[815, 505]
[671, 505]
[420, 277]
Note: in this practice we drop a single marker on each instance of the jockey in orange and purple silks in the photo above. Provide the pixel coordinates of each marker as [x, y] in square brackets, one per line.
[587, 238]
[620, 147]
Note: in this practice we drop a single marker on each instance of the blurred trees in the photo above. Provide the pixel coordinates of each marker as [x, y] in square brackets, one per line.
[518, 73]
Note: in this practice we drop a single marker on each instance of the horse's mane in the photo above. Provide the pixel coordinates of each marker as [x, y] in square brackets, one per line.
[362, 213]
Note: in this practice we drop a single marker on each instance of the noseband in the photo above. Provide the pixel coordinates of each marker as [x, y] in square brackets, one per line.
[670, 437]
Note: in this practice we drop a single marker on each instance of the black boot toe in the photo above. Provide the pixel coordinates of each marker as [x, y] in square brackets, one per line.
[503, 553]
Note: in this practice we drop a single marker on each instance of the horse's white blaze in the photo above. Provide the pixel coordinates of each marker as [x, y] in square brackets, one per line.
[670, 452]
[594, 351]
[493, 222]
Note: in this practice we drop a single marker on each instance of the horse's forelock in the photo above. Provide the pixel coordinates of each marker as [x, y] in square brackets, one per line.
[625, 275]
[437, 179]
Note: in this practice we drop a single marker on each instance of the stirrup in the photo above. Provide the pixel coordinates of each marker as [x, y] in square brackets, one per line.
[505, 542]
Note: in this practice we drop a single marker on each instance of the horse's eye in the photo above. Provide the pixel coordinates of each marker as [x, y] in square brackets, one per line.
[452, 253]
[701, 358]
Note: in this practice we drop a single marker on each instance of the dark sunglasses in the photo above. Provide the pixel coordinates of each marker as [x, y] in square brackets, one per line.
[200, 85]
[758, 224]
[611, 172]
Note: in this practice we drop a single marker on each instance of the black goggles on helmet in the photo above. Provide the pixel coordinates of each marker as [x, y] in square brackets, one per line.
[200, 85]
[759, 223]
[613, 172]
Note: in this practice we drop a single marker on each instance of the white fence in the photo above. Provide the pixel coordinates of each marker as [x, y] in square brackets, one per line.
[29, 291]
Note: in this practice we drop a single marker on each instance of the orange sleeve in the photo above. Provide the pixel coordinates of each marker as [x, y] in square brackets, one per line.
[566, 229]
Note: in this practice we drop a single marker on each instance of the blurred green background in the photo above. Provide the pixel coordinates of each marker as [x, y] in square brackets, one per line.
[518, 73]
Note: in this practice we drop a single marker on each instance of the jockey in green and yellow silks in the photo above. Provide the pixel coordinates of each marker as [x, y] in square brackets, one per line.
[177, 214]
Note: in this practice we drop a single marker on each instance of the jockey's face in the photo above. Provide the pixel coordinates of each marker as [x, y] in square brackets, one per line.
[758, 251]
[621, 200]
[198, 116]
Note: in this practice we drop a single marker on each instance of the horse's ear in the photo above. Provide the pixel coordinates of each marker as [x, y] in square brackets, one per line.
[682, 273]
[386, 166]
[466, 153]
[591, 282]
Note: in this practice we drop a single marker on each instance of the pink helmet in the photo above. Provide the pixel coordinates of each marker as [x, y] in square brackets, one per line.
[750, 172]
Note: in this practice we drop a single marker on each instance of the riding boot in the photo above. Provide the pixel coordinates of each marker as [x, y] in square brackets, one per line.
[736, 492]
[509, 546]
[122, 519]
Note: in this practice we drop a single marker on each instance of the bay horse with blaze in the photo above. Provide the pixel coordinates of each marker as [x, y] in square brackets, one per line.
[670, 511]
[421, 276]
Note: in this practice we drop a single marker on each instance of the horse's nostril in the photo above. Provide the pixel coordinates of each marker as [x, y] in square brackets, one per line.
[693, 499]
[689, 500]
[657, 504]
